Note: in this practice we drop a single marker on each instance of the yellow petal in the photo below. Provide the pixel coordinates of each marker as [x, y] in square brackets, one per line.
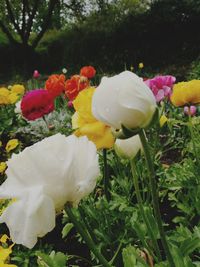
[98, 133]
[4, 253]
[4, 239]
[163, 120]
[7, 264]
[13, 98]
[12, 144]
[83, 104]
[4, 100]
[4, 91]
[186, 93]
[18, 89]
[2, 167]
[77, 121]
[106, 141]
[141, 65]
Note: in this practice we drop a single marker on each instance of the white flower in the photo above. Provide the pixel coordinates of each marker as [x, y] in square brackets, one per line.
[128, 148]
[42, 178]
[18, 107]
[64, 70]
[123, 99]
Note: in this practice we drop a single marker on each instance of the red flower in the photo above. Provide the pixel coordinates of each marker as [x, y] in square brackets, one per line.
[88, 71]
[55, 84]
[74, 85]
[36, 103]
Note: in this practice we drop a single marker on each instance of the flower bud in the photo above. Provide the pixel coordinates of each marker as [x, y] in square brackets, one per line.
[36, 74]
[190, 111]
[124, 99]
[128, 148]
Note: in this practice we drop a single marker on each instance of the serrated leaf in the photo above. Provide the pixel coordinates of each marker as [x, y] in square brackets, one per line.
[60, 259]
[188, 246]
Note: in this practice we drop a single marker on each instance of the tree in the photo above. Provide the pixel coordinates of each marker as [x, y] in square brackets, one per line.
[25, 22]
[18, 19]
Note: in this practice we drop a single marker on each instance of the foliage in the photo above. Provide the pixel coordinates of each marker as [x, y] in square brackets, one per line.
[89, 31]
[194, 70]
[118, 225]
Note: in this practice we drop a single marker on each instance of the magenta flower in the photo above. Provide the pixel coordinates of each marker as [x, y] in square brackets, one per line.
[36, 103]
[161, 86]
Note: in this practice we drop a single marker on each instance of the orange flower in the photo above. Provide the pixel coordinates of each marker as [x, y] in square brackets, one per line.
[88, 71]
[55, 84]
[74, 85]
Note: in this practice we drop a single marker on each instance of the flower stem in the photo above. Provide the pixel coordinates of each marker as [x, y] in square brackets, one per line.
[86, 237]
[46, 123]
[139, 200]
[155, 199]
[105, 175]
[190, 127]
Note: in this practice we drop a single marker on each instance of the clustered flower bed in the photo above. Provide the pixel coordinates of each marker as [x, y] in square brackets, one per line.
[100, 175]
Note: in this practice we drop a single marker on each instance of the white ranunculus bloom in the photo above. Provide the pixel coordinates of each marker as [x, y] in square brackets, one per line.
[42, 178]
[128, 148]
[18, 107]
[123, 99]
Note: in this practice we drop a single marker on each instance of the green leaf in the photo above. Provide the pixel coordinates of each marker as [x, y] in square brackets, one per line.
[60, 259]
[177, 257]
[152, 221]
[67, 228]
[53, 260]
[189, 245]
[131, 257]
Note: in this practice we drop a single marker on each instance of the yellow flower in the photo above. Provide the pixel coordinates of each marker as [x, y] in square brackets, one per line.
[5, 253]
[141, 65]
[85, 124]
[131, 68]
[2, 167]
[13, 98]
[12, 144]
[4, 91]
[18, 89]
[0, 144]
[4, 239]
[4, 96]
[186, 93]
[163, 120]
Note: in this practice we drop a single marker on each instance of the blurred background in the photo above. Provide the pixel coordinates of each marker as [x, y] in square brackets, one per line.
[111, 35]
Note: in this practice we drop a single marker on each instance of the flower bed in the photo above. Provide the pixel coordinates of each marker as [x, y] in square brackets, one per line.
[100, 174]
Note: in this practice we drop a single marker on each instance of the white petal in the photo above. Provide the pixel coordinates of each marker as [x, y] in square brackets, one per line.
[30, 217]
[123, 99]
[43, 178]
[128, 148]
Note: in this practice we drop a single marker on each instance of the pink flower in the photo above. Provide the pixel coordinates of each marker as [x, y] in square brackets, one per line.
[70, 104]
[161, 86]
[36, 74]
[36, 103]
[190, 110]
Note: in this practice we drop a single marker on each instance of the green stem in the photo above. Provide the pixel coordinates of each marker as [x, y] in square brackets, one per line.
[86, 225]
[46, 123]
[190, 127]
[140, 203]
[155, 199]
[86, 237]
[106, 176]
